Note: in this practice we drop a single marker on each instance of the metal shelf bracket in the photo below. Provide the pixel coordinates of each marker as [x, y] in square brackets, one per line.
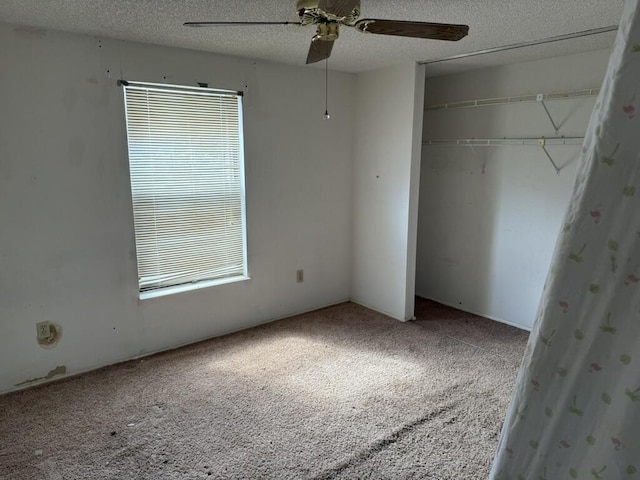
[542, 142]
[540, 99]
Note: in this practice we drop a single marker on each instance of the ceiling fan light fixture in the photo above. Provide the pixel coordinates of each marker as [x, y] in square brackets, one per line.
[328, 31]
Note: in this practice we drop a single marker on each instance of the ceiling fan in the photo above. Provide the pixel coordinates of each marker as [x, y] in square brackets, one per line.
[329, 15]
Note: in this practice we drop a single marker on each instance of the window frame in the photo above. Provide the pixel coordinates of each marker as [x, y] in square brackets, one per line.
[154, 292]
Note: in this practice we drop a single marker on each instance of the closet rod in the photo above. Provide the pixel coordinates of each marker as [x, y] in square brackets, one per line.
[557, 38]
[497, 142]
[485, 102]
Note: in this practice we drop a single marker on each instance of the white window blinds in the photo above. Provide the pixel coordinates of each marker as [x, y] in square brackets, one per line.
[187, 184]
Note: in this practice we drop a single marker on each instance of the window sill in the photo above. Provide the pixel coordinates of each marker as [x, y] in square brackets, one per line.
[161, 292]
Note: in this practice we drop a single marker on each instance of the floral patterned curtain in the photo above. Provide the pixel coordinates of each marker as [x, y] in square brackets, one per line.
[575, 413]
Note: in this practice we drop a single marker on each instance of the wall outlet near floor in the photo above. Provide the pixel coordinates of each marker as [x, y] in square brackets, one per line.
[300, 276]
[44, 330]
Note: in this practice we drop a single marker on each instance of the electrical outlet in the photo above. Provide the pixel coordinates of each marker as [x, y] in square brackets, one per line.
[300, 276]
[44, 330]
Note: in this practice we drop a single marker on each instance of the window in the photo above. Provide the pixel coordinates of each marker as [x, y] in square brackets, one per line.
[187, 185]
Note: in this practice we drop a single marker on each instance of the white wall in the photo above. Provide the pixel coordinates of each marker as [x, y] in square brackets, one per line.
[486, 237]
[386, 169]
[67, 251]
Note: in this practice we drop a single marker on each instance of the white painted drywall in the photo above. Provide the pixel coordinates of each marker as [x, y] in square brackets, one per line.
[486, 238]
[67, 251]
[386, 169]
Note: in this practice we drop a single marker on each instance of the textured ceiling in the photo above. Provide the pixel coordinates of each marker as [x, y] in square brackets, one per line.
[492, 23]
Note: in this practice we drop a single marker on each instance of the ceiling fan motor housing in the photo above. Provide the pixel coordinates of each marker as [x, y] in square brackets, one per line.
[311, 12]
[306, 4]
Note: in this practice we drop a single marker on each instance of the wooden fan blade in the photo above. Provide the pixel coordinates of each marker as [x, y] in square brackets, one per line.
[339, 8]
[432, 31]
[235, 24]
[319, 50]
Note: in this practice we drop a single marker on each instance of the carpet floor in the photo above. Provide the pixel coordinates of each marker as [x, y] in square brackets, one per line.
[339, 393]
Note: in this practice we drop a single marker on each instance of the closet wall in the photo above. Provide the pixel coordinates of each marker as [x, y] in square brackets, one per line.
[489, 216]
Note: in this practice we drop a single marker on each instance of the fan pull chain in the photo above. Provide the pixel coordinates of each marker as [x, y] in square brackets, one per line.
[326, 89]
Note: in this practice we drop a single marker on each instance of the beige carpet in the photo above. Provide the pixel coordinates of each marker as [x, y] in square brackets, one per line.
[340, 393]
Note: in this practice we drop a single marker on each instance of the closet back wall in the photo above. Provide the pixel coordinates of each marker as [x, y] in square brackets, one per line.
[488, 220]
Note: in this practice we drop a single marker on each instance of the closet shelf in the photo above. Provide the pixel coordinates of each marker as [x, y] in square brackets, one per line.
[542, 142]
[486, 102]
[498, 142]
